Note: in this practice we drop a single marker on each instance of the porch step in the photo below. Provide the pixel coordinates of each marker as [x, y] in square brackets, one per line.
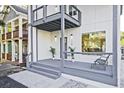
[45, 65]
[45, 70]
[44, 73]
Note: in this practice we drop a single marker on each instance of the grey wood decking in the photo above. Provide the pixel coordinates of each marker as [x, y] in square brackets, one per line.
[82, 69]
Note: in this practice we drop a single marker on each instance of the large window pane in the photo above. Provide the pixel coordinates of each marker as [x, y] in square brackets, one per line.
[93, 42]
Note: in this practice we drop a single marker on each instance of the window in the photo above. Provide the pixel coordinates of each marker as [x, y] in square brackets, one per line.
[93, 42]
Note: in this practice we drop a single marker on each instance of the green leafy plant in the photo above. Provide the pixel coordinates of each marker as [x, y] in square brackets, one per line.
[53, 51]
[72, 50]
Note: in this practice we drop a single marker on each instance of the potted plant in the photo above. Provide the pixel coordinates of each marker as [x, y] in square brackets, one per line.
[72, 54]
[53, 51]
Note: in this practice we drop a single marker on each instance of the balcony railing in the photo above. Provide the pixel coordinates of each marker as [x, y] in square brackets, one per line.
[8, 35]
[16, 34]
[3, 36]
[48, 17]
[24, 34]
[44, 11]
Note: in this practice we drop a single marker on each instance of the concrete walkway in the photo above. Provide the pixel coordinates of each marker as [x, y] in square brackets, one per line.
[34, 80]
[122, 74]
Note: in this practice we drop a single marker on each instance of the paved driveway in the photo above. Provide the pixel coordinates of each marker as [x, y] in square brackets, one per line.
[33, 80]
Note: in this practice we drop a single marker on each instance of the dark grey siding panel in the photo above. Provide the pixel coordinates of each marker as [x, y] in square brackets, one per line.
[10, 16]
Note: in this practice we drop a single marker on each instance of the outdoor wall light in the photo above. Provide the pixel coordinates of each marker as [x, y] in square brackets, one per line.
[71, 36]
[56, 8]
[55, 38]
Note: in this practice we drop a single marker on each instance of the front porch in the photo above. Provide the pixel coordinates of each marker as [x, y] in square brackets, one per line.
[76, 68]
[59, 43]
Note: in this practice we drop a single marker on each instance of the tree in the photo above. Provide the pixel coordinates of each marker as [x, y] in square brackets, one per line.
[2, 23]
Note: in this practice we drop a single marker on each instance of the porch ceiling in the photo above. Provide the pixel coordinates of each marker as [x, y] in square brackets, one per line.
[54, 23]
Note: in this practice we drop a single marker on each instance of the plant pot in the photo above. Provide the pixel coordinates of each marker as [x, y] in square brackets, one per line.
[72, 60]
[53, 58]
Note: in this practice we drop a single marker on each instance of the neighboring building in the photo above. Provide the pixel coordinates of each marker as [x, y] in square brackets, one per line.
[14, 35]
[91, 31]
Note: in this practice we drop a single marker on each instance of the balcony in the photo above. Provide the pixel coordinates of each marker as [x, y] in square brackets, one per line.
[24, 34]
[16, 34]
[8, 35]
[9, 56]
[3, 36]
[49, 17]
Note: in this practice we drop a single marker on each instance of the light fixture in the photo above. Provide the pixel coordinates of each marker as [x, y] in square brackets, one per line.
[71, 39]
[56, 8]
[71, 36]
[55, 38]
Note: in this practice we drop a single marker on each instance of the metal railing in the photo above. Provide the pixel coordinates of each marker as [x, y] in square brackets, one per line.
[89, 53]
[49, 10]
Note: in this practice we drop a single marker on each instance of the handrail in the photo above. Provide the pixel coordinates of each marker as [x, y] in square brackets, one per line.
[90, 53]
[45, 9]
[38, 8]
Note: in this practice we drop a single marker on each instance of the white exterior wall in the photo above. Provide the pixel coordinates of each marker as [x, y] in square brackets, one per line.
[94, 18]
[44, 43]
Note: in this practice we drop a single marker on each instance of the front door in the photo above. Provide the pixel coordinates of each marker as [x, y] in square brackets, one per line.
[65, 44]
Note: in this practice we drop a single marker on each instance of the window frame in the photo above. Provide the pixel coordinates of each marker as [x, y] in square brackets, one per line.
[82, 49]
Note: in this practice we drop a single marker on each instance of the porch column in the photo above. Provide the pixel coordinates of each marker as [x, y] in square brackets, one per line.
[13, 50]
[1, 50]
[20, 40]
[13, 43]
[6, 49]
[30, 33]
[62, 35]
[116, 44]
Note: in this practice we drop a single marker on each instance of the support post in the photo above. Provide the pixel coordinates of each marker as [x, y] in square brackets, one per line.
[30, 36]
[6, 43]
[31, 31]
[13, 43]
[62, 35]
[1, 50]
[20, 41]
[116, 44]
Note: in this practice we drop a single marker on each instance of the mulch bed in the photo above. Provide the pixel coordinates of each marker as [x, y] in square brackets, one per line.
[6, 82]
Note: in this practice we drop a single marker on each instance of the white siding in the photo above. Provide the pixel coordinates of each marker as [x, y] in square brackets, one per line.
[94, 18]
